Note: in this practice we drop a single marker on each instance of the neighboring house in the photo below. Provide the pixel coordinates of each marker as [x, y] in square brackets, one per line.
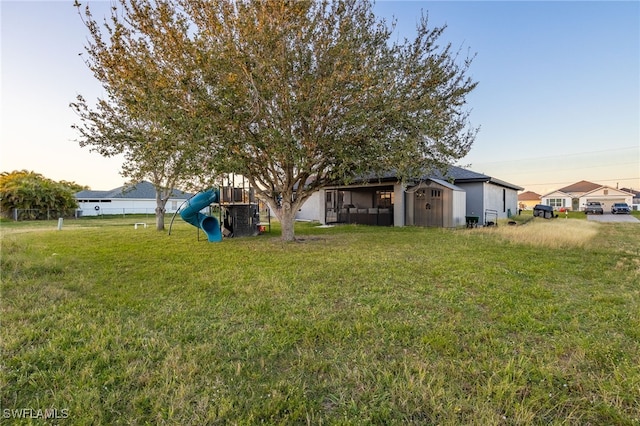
[569, 196]
[528, 200]
[576, 196]
[636, 198]
[128, 199]
[442, 200]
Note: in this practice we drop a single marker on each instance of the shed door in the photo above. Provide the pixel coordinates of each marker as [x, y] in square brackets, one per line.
[428, 207]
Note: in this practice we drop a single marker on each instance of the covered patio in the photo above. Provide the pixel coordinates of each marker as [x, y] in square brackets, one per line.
[365, 205]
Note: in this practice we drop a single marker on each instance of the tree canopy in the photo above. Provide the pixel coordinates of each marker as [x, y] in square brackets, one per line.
[293, 95]
[146, 114]
[36, 195]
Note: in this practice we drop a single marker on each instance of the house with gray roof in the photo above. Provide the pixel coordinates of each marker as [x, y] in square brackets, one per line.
[139, 198]
[440, 199]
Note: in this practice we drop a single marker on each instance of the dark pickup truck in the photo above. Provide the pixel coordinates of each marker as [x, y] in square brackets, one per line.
[593, 207]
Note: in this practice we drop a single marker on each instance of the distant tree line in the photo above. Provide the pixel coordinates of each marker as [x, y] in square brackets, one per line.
[36, 196]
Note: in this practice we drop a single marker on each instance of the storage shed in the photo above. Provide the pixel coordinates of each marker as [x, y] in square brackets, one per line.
[435, 203]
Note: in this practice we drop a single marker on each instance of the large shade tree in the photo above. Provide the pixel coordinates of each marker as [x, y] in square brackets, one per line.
[147, 114]
[293, 95]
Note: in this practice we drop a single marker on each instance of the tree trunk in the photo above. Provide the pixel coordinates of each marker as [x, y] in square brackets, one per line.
[160, 217]
[287, 217]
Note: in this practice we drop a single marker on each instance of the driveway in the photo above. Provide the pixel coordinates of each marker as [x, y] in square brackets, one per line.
[608, 217]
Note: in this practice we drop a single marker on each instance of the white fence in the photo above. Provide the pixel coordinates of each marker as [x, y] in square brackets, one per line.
[122, 211]
[47, 214]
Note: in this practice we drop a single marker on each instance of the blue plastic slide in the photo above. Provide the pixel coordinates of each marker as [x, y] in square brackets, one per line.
[209, 224]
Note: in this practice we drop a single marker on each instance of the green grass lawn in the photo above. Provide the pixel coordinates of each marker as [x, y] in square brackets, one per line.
[350, 325]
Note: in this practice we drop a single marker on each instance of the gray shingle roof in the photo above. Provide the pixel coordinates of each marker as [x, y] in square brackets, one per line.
[453, 173]
[141, 190]
[439, 182]
[631, 191]
[460, 175]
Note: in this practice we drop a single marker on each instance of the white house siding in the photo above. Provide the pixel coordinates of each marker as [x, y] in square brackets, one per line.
[93, 208]
[125, 206]
[139, 198]
[560, 198]
[483, 196]
[500, 199]
[459, 208]
[607, 196]
[511, 203]
[313, 207]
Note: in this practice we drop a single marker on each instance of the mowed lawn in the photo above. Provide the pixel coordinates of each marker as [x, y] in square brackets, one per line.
[530, 324]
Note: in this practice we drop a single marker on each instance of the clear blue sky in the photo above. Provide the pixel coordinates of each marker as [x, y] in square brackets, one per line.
[558, 99]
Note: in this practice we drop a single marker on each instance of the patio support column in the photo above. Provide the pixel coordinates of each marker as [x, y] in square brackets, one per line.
[398, 204]
[322, 207]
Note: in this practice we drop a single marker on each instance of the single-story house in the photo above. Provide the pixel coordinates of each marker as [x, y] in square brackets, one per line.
[636, 198]
[576, 196]
[137, 198]
[442, 200]
[528, 200]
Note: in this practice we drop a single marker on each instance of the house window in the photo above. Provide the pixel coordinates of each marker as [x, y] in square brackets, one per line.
[606, 192]
[384, 199]
[174, 205]
[556, 202]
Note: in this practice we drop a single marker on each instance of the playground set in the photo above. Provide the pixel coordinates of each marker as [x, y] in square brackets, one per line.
[237, 208]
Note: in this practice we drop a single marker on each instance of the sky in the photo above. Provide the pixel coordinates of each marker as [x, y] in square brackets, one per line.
[557, 102]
